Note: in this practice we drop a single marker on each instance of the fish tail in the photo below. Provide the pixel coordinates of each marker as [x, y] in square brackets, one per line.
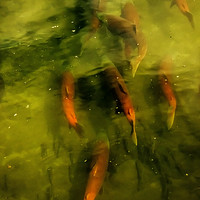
[79, 129]
[190, 18]
[172, 3]
[170, 120]
[133, 134]
[134, 66]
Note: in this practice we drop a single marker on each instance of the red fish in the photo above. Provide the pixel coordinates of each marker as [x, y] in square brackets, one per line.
[120, 26]
[99, 167]
[117, 83]
[129, 12]
[183, 7]
[95, 23]
[68, 92]
[165, 82]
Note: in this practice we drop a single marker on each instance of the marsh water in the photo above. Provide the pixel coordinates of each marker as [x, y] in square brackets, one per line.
[41, 158]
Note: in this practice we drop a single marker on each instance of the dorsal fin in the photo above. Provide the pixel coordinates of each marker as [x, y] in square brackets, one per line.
[121, 88]
[172, 3]
[67, 92]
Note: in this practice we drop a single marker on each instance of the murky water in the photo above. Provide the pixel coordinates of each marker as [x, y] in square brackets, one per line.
[41, 158]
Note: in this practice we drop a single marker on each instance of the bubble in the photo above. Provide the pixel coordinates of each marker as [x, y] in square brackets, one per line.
[54, 26]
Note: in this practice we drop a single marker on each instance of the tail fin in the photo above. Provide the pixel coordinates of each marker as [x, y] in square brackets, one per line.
[172, 3]
[79, 129]
[134, 66]
[133, 134]
[190, 18]
[170, 120]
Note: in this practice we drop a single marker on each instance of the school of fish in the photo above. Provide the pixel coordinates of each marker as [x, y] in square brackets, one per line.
[127, 27]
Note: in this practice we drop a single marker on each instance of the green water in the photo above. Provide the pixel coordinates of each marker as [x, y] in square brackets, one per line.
[41, 158]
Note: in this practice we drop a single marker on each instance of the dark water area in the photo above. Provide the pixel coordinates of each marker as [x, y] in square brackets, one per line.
[41, 157]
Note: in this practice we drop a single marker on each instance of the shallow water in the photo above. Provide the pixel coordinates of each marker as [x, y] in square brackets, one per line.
[41, 158]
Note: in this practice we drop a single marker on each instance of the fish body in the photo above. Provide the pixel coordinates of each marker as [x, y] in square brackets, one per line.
[120, 26]
[99, 167]
[165, 82]
[142, 50]
[68, 92]
[183, 7]
[117, 83]
[129, 12]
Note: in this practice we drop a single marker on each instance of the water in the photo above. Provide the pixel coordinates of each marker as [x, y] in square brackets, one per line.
[41, 158]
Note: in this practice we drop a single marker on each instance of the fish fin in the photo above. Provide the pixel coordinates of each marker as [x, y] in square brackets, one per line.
[67, 92]
[170, 119]
[101, 190]
[121, 88]
[134, 67]
[79, 129]
[134, 28]
[93, 163]
[133, 134]
[70, 126]
[172, 3]
[190, 18]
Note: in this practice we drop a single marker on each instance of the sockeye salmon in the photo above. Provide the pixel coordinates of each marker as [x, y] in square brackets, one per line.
[120, 26]
[68, 91]
[95, 23]
[99, 167]
[116, 81]
[129, 12]
[183, 7]
[165, 82]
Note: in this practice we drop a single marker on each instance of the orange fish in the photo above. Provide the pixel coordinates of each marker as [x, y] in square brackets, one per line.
[120, 26]
[117, 83]
[142, 50]
[183, 7]
[95, 23]
[99, 167]
[68, 92]
[129, 12]
[165, 82]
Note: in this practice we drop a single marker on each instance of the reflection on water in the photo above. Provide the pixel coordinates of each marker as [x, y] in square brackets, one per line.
[41, 157]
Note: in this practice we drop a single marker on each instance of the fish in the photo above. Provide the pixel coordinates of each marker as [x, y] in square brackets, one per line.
[142, 50]
[183, 7]
[129, 12]
[68, 92]
[116, 81]
[98, 5]
[94, 22]
[99, 167]
[165, 82]
[119, 26]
